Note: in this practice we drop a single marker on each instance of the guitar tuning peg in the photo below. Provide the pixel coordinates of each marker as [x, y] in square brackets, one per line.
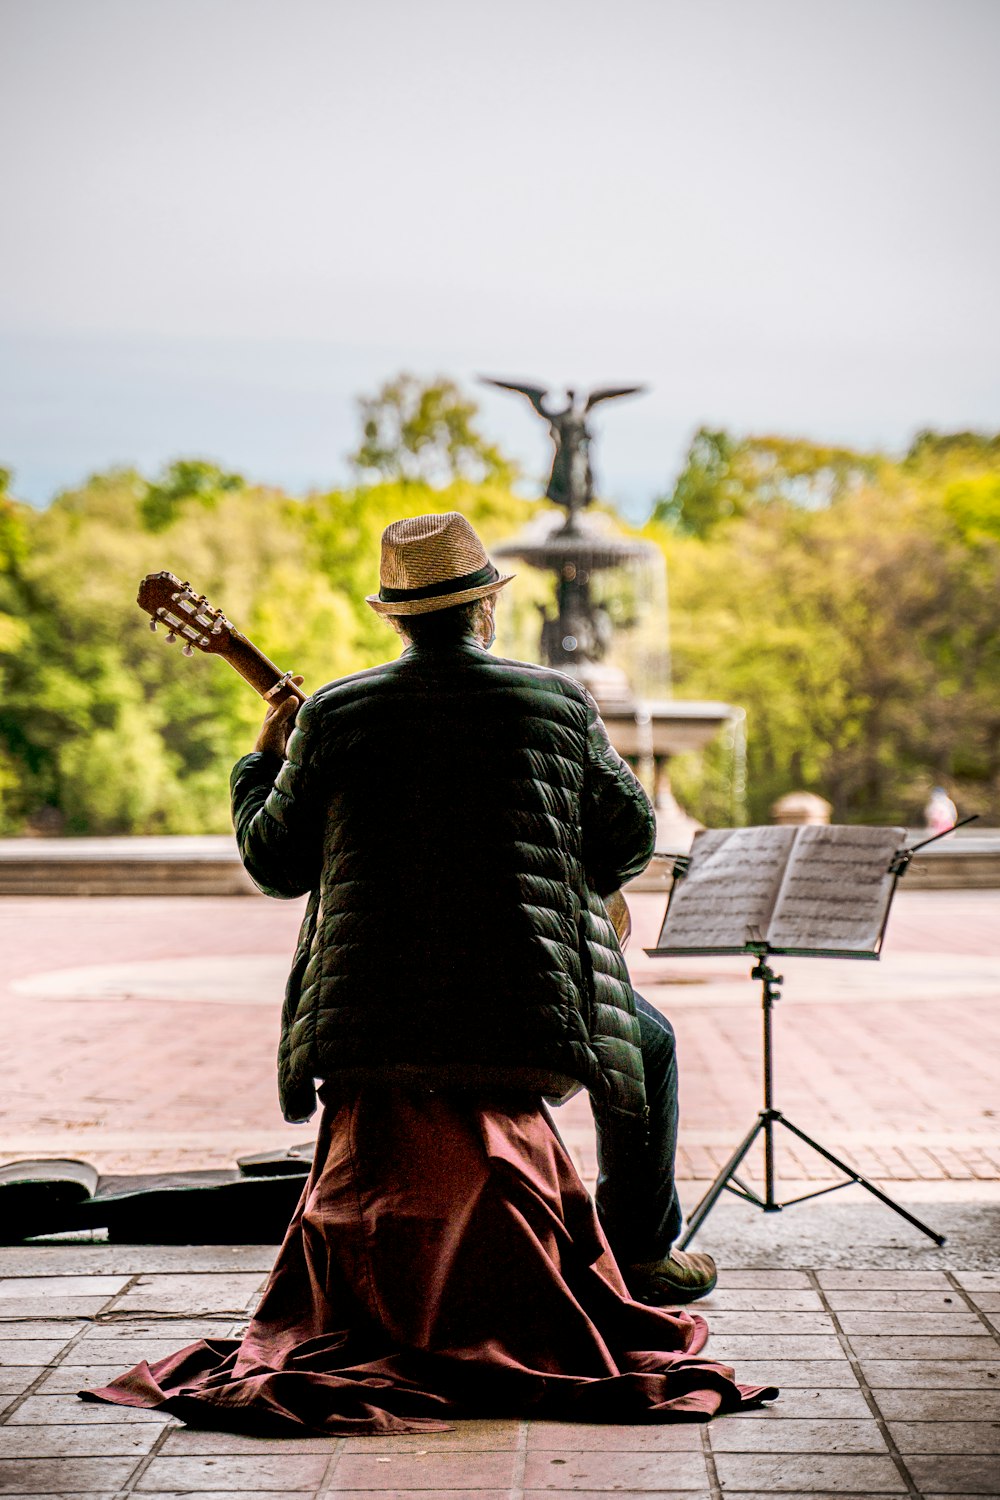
[170, 638]
[152, 624]
[188, 650]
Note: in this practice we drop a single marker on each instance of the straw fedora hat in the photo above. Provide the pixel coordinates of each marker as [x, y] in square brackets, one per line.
[433, 562]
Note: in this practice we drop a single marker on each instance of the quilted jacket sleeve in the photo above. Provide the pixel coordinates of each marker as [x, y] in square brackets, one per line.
[278, 812]
[619, 825]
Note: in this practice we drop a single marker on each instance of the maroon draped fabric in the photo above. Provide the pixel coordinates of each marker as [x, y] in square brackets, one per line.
[445, 1261]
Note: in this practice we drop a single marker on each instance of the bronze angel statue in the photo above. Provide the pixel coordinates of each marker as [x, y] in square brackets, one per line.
[571, 483]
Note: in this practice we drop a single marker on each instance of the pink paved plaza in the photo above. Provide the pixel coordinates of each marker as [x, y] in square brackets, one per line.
[141, 1034]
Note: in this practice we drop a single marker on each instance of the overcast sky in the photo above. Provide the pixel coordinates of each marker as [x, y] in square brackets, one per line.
[223, 219]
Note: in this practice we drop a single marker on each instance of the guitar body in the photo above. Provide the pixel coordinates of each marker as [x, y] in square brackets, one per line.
[188, 617]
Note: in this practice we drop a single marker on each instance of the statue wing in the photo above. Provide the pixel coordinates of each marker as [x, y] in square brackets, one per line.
[608, 392]
[535, 393]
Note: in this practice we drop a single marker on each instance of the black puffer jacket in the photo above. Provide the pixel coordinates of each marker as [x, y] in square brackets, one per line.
[457, 819]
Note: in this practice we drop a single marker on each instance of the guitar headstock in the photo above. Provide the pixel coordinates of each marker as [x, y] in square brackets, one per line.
[185, 614]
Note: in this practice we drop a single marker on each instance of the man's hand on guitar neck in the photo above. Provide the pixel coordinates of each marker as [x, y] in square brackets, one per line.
[278, 723]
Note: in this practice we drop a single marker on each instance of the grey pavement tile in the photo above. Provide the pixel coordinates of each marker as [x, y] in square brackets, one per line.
[987, 1302]
[842, 1473]
[60, 1476]
[472, 1471]
[387, 1493]
[580, 1437]
[796, 1372]
[768, 1322]
[111, 1440]
[932, 1374]
[918, 1346]
[73, 1378]
[474, 1435]
[103, 1345]
[145, 1325]
[42, 1328]
[979, 1281]
[58, 1287]
[912, 1281]
[579, 1494]
[973, 1474]
[40, 1307]
[194, 1442]
[265, 1471]
[16, 1378]
[933, 1324]
[635, 1473]
[763, 1299]
[764, 1278]
[867, 1299]
[191, 1293]
[947, 1437]
[735, 1346]
[814, 1402]
[45, 1410]
[940, 1406]
[130, 1260]
[796, 1436]
[31, 1351]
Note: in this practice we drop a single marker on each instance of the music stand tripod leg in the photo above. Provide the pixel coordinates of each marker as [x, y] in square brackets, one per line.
[720, 1184]
[842, 1166]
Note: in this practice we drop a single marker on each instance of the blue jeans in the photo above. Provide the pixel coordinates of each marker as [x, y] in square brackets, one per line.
[636, 1196]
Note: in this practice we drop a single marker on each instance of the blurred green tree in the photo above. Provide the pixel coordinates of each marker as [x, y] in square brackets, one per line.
[186, 482]
[13, 629]
[724, 478]
[859, 635]
[846, 601]
[425, 430]
[102, 728]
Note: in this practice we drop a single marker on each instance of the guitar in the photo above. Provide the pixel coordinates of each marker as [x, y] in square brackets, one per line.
[189, 617]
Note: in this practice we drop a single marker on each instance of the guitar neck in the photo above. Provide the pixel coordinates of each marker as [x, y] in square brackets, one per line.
[257, 669]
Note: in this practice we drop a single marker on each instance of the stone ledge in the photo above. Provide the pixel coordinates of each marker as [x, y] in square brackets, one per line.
[176, 865]
[209, 865]
[966, 861]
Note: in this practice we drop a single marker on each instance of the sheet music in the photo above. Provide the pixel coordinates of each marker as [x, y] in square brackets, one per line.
[836, 889]
[732, 885]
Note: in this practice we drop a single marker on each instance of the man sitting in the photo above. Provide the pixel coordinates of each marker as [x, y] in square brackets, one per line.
[457, 820]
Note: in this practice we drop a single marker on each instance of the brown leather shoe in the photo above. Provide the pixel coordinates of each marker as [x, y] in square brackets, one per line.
[683, 1276]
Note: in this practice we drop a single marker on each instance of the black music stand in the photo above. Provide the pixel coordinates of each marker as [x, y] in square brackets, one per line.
[769, 1117]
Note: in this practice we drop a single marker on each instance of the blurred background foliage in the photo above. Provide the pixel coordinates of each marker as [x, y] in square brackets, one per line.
[850, 603]
[847, 601]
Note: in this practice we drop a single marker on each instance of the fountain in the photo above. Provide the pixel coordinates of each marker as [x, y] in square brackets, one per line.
[583, 552]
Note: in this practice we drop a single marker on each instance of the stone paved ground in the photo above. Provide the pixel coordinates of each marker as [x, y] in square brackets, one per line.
[140, 1034]
[890, 1386]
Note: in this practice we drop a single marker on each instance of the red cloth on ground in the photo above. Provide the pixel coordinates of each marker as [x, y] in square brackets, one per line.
[445, 1260]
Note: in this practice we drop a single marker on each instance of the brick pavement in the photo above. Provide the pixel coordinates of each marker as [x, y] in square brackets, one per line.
[890, 1386]
[141, 1034]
